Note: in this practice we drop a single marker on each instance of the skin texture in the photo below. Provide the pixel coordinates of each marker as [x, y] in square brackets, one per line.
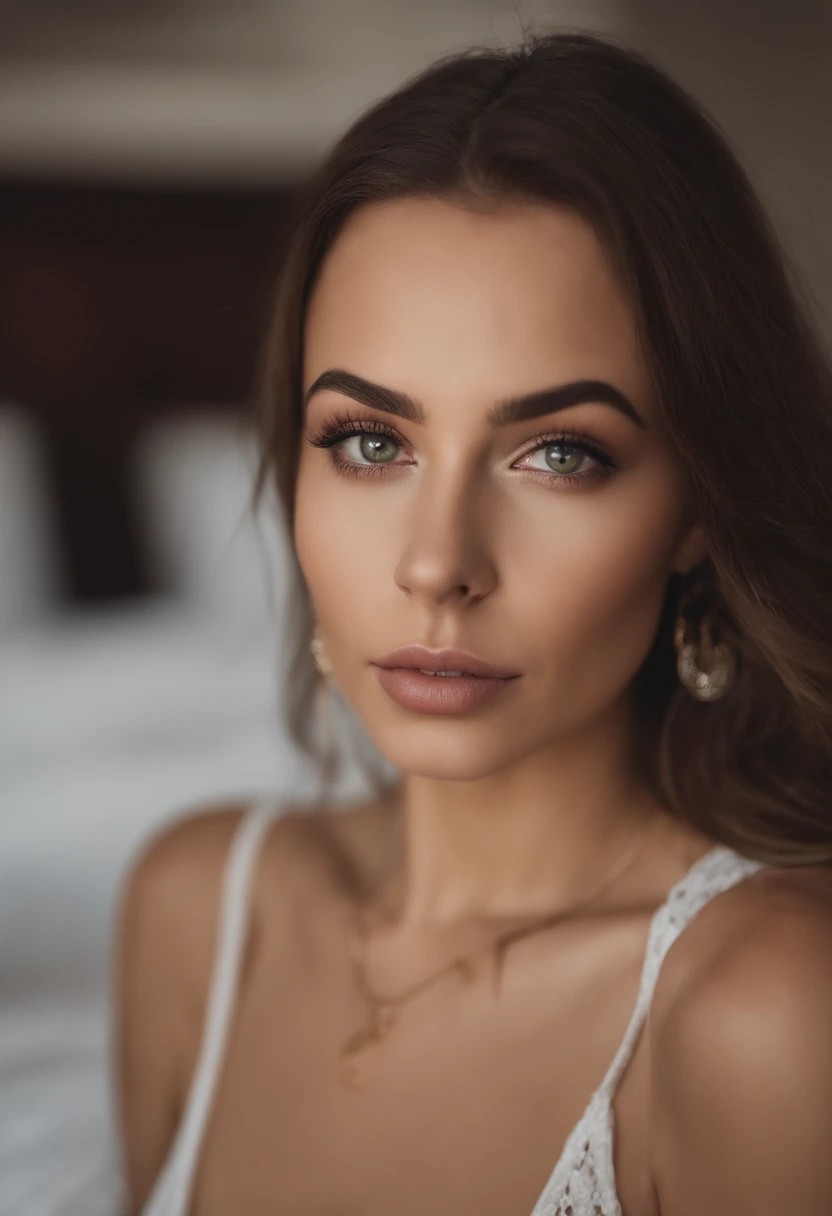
[468, 537]
[472, 542]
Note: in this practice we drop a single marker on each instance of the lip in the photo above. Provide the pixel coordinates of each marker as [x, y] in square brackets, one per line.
[399, 674]
[420, 658]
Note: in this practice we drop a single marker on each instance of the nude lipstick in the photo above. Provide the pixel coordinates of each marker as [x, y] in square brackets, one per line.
[412, 677]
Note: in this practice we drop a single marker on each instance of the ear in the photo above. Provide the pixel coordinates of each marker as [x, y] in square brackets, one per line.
[691, 549]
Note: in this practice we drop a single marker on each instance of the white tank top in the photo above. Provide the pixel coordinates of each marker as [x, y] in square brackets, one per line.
[582, 1182]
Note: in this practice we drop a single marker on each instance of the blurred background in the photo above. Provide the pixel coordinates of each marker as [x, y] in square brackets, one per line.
[148, 151]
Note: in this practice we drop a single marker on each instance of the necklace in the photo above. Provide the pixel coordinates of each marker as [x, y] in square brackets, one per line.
[383, 1011]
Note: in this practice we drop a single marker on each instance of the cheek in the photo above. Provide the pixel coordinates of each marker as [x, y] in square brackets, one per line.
[581, 573]
[339, 541]
[591, 582]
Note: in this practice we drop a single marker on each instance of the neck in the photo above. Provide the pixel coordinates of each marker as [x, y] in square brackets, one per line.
[529, 839]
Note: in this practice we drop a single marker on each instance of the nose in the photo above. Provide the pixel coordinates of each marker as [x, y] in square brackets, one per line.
[446, 555]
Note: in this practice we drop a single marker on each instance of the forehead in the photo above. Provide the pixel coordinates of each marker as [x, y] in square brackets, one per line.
[424, 295]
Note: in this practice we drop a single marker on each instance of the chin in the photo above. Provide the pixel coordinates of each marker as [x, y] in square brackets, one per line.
[446, 759]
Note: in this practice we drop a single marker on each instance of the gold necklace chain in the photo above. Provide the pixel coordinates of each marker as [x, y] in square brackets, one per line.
[383, 1011]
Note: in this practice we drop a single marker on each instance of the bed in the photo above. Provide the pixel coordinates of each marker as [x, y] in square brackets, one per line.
[113, 721]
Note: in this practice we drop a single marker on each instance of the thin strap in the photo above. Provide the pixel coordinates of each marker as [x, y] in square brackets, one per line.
[583, 1179]
[714, 872]
[171, 1195]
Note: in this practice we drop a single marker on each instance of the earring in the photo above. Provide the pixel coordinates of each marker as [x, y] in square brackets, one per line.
[321, 658]
[704, 685]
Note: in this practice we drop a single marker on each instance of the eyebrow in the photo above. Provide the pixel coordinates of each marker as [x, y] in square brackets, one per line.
[505, 412]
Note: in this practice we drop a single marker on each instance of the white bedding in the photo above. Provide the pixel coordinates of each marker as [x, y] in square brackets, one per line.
[109, 724]
[112, 722]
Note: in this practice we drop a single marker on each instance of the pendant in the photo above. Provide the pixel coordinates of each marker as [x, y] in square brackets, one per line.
[377, 1028]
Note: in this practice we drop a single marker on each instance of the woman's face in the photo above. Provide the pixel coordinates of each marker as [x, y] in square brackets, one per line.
[541, 545]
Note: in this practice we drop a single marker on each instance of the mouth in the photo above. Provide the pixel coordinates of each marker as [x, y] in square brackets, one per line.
[441, 682]
[443, 664]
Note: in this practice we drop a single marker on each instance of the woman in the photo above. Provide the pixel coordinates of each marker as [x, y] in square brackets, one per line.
[553, 438]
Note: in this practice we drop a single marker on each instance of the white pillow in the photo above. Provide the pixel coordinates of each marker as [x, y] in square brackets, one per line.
[193, 481]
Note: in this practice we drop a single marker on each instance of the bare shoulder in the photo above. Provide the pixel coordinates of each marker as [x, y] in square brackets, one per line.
[173, 889]
[772, 919]
[171, 894]
[164, 953]
[741, 1052]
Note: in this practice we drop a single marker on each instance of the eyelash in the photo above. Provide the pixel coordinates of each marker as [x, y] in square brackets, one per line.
[340, 427]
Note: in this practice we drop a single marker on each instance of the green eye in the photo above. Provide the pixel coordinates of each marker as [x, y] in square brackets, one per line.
[560, 463]
[377, 448]
[375, 444]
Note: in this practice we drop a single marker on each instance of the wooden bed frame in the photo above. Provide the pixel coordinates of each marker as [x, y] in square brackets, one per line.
[119, 305]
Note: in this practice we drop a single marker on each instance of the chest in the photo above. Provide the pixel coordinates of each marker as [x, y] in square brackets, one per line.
[465, 1107]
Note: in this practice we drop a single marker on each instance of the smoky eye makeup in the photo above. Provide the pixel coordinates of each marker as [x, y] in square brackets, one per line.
[559, 449]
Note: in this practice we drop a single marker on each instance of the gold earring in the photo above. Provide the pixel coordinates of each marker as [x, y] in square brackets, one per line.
[321, 658]
[721, 658]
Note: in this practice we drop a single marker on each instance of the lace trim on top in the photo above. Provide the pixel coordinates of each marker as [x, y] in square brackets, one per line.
[583, 1181]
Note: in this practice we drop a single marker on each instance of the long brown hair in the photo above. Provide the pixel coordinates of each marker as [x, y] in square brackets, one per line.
[740, 372]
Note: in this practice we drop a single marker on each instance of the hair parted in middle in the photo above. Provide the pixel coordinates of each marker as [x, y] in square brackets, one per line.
[740, 373]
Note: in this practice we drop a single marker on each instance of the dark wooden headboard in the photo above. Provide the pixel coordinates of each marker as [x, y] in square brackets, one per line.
[117, 305]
